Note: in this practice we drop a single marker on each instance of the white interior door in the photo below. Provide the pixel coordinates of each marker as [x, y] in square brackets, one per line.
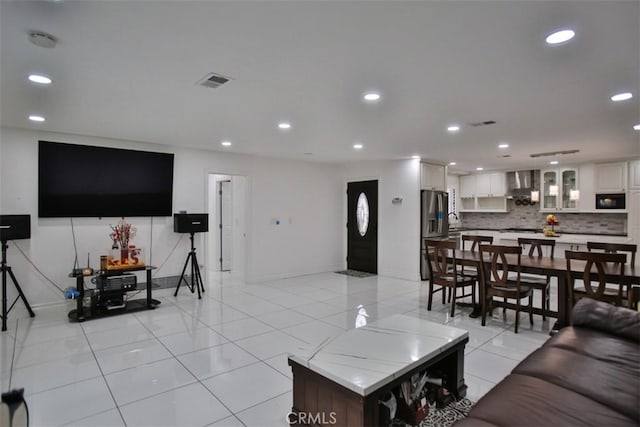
[226, 226]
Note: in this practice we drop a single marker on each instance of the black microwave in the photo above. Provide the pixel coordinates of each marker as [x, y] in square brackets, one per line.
[610, 201]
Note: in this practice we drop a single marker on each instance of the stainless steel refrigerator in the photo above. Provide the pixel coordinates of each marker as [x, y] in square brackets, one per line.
[434, 221]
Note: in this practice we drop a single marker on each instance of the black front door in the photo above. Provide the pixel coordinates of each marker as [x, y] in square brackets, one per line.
[362, 226]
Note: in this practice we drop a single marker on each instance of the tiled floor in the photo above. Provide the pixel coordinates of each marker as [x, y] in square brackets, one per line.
[221, 361]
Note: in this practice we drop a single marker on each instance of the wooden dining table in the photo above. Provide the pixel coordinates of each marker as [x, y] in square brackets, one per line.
[553, 267]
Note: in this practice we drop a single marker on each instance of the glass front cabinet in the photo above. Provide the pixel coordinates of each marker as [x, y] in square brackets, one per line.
[559, 190]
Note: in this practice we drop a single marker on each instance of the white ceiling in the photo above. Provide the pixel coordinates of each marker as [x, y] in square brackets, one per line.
[128, 70]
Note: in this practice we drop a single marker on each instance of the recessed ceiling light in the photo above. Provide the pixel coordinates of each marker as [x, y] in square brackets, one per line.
[553, 162]
[357, 146]
[637, 127]
[560, 36]
[226, 143]
[479, 169]
[284, 125]
[622, 96]
[415, 157]
[371, 96]
[453, 128]
[35, 118]
[452, 163]
[40, 79]
[504, 145]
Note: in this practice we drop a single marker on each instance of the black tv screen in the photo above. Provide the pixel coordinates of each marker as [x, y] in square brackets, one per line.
[88, 181]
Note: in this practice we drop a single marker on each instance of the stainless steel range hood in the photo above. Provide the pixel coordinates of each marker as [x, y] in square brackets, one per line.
[520, 184]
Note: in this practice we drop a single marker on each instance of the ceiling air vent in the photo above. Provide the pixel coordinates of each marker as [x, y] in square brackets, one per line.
[485, 123]
[554, 153]
[213, 80]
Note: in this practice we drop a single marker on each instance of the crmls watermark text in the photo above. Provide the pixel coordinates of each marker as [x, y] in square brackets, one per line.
[308, 418]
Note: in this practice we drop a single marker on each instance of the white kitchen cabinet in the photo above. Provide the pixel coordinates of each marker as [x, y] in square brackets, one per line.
[483, 193]
[432, 177]
[562, 247]
[468, 186]
[634, 208]
[634, 175]
[611, 177]
[490, 185]
[587, 187]
[634, 218]
[559, 190]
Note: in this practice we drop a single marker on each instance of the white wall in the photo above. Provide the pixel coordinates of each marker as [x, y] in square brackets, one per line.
[307, 197]
[398, 224]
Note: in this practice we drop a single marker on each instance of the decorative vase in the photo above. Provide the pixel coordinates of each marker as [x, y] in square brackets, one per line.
[124, 256]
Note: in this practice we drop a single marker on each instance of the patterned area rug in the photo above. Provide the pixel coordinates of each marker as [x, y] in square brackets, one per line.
[444, 417]
[355, 273]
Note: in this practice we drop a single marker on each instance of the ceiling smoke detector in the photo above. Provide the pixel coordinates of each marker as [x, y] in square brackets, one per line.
[485, 123]
[213, 80]
[42, 39]
[554, 153]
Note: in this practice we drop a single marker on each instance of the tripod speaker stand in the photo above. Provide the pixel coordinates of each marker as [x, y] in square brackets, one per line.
[196, 278]
[6, 269]
[191, 223]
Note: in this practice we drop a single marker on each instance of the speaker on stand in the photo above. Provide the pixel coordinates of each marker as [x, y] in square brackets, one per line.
[191, 223]
[12, 227]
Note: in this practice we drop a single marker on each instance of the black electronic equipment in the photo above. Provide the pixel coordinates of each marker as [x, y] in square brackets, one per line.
[126, 282]
[113, 301]
[15, 227]
[87, 271]
[190, 223]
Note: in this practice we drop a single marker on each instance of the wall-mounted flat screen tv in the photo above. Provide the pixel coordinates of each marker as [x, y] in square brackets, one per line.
[88, 181]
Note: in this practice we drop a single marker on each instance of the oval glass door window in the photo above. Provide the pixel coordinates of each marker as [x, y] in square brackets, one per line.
[362, 214]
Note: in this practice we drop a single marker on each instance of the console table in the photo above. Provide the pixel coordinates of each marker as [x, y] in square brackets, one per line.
[345, 378]
[81, 313]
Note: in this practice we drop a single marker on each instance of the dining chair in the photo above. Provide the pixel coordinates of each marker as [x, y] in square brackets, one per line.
[442, 262]
[594, 275]
[634, 297]
[539, 248]
[474, 241]
[496, 281]
[613, 248]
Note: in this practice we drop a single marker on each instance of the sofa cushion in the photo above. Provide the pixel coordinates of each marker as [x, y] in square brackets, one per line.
[599, 315]
[520, 400]
[602, 376]
[599, 346]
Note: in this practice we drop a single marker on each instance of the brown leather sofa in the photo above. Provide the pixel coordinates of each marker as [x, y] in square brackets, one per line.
[586, 375]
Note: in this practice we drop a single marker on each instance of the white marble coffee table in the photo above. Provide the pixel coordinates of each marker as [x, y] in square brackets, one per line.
[348, 374]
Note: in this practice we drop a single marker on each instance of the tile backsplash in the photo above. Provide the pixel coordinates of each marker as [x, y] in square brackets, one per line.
[531, 217]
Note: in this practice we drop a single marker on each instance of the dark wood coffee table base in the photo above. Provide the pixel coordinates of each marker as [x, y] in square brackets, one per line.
[318, 400]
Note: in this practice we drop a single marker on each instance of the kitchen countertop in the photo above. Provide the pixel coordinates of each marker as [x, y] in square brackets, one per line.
[539, 231]
[507, 236]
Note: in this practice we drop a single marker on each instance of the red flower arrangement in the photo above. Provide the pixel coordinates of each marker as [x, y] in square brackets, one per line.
[121, 233]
